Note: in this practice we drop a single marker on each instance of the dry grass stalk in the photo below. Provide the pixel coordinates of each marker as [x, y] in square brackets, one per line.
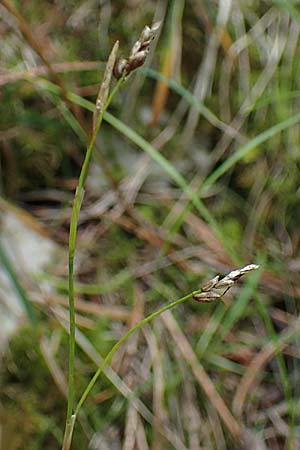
[232, 424]
[254, 371]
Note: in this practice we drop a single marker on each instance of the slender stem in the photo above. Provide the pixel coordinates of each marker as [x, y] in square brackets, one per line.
[79, 194]
[71, 421]
[69, 432]
[111, 353]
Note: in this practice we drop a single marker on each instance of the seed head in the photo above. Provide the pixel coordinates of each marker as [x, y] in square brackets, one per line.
[138, 52]
[208, 290]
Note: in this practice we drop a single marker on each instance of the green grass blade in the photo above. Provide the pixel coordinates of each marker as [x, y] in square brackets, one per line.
[24, 300]
[239, 154]
[239, 305]
[167, 167]
[210, 330]
[189, 97]
[245, 149]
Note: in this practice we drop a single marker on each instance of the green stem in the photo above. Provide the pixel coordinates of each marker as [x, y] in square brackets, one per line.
[111, 353]
[72, 419]
[72, 247]
[69, 432]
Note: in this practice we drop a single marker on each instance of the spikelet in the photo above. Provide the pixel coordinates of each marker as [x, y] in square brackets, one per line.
[138, 54]
[209, 293]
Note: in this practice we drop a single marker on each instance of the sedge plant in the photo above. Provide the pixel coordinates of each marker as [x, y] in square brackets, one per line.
[121, 69]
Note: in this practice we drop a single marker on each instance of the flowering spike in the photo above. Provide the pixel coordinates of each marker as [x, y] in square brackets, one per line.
[138, 52]
[209, 293]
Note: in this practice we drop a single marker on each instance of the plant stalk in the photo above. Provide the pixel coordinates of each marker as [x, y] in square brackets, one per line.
[79, 194]
[109, 356]
[113, 350]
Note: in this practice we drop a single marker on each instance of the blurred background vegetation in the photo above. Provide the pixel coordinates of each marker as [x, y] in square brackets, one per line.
[217, 103]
